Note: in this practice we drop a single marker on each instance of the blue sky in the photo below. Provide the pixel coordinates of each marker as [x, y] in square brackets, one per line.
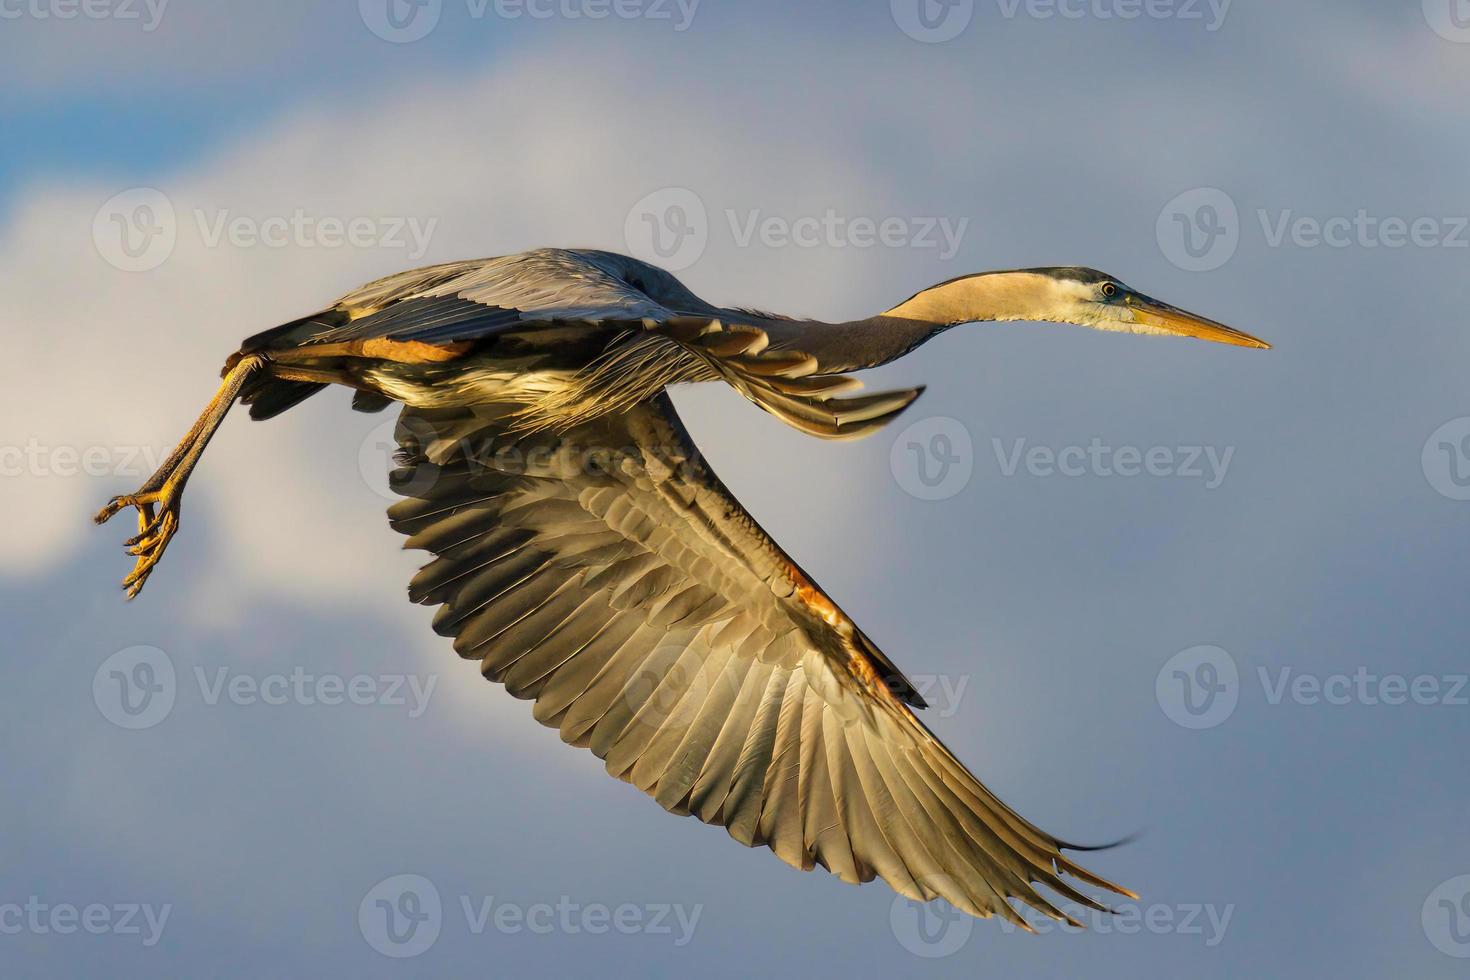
[1297, 544]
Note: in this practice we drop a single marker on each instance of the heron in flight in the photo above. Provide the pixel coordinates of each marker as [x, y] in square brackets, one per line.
[590, 561]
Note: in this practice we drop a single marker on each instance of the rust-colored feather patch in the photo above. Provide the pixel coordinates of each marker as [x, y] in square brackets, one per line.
[382, 349]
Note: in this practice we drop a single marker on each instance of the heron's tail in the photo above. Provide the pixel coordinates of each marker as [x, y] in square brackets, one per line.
[268, 396]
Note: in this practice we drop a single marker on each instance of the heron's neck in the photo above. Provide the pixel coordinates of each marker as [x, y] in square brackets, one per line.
[987, 296]
[893, 333]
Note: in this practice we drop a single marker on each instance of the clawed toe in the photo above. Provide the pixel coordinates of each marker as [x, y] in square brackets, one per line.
[114, 505]
[158, 522]
[155, 535]
[149, 525]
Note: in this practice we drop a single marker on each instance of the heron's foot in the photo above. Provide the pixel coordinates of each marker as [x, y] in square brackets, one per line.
[158, 522]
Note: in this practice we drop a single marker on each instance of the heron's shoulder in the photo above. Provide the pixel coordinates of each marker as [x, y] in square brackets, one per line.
[658, 284]
[575, 263]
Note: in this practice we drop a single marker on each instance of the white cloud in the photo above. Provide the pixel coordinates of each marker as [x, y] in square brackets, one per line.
[121, 360]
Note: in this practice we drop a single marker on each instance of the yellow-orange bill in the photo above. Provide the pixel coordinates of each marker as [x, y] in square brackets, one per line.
[1171, 319]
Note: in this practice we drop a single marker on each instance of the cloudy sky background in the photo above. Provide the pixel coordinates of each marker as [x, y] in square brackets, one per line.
[1329, 834]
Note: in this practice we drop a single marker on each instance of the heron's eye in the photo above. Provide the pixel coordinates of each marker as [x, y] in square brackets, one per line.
[1109, 290]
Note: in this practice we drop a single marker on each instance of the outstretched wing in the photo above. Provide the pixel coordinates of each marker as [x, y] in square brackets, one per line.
[605, 573]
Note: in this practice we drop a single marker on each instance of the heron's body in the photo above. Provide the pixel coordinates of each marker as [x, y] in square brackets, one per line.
[590, 561]
[525, 329]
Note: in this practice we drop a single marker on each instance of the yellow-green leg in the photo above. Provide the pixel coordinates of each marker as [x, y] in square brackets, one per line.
[158, 499]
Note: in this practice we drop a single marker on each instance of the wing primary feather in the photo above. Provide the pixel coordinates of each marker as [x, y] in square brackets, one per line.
[654, 623]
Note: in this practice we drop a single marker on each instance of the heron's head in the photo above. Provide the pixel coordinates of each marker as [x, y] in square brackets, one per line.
[1067, 294]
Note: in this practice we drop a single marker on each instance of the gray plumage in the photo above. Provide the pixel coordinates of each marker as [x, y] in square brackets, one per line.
[591, 562]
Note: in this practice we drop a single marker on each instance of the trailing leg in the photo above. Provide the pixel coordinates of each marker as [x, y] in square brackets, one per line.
[158, 499]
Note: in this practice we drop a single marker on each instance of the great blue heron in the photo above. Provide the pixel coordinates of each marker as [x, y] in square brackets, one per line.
[590, 561]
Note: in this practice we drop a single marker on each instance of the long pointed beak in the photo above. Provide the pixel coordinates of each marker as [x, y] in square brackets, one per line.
[1171, 319]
